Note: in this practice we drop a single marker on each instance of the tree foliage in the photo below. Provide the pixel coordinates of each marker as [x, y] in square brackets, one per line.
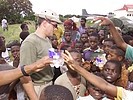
[15, 10]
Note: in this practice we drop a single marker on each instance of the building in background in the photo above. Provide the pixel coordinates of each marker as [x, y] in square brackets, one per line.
[125, 11]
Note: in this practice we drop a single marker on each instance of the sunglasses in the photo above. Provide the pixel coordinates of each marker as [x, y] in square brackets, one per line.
[50, 22]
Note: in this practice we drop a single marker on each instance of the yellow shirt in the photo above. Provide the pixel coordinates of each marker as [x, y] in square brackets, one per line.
[123, 94]
[59, 33]
[130, 69]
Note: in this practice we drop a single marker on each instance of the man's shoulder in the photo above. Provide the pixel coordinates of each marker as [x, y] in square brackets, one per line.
[31, 38]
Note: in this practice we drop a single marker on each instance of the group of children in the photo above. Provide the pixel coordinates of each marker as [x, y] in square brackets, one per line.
[95, 51]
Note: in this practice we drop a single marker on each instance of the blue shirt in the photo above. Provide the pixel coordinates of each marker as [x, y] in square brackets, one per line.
[129, 53]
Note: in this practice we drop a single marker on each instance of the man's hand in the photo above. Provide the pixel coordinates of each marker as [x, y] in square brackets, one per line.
[42, 63]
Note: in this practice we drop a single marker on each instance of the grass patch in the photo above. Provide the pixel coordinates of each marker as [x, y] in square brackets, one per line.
[14, 31]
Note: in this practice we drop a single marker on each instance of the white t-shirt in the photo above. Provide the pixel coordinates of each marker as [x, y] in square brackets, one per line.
[4, 23]
[89, 97]
[123, 94]
[6, 56]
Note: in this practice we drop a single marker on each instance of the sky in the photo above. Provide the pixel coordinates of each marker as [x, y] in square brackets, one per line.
[65, 7]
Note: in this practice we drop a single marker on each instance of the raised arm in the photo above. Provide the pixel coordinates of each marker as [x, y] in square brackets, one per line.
[10, 75]
[97, 81]
[117, 37]
[93, 79]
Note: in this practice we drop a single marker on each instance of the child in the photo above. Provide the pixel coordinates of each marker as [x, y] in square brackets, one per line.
[54, 42]
[86, 46]
[15, 51]
[79, 46]
[94, 50]
[107, 44]
[24, 33]
[70, 25]
[72, 80]
[115, 53]
[112, 71]
[68, 41]
[94, 92]
[84, 38]
[114, 91]
[4, 90]
[5, 54]
[55, 92]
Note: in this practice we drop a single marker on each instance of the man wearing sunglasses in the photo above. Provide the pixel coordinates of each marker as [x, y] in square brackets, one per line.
[34, 47]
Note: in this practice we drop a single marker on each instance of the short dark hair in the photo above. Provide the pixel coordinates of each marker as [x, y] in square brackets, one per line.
[23, 35]
[23, 25]
[40, 20]
[83, 19]
[127, 38]
[95, 35]
[117, 63]
[13, 43]
[55, 92]
[118, 50]
[109, 39]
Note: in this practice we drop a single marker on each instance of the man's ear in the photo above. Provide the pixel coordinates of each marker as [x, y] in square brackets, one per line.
[44, 23]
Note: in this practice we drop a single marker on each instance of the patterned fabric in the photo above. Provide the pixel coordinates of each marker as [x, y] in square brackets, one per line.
[77, 89]
[89, 54]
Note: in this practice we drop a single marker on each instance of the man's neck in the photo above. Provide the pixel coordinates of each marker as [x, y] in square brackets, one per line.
[39, 32]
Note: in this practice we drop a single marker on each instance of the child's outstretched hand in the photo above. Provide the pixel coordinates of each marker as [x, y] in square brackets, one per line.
[68, 59]
[103, 21]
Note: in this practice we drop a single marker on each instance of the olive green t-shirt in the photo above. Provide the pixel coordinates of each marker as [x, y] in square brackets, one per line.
[32, 49]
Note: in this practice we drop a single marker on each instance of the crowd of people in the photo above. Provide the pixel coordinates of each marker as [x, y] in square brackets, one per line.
[97, 62]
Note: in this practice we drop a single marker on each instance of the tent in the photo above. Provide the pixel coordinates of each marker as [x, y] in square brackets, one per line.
[75, 19]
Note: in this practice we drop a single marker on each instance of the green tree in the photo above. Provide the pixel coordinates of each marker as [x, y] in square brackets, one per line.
[15, 10]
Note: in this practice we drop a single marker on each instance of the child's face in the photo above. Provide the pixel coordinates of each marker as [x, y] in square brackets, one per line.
[107, 45]
[15, 50]
[110, 72]
[54, 41]
[93, 42]
[90, 31]
[78, 47]
[68, 27]
[95, 92]
[26, 28]
[101, 34]
[67, 36]
[131, 42]
[112, 55]
[86, 45]
[84, 38]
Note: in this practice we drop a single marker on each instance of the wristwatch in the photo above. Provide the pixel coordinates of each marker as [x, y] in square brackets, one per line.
[23, 71]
